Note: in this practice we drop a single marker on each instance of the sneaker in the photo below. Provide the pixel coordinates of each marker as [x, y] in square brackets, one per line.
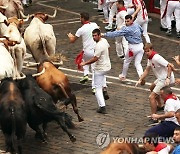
[121, 56]
[99, 10]
[122, 78]
[84, 79]
[169, 32]
[108, 27]
[178, 34]
[93, 91]
[105, 94]
[102, 110]
[163, 29]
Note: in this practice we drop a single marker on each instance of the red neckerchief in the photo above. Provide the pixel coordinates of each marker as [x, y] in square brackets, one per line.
[122, 9]
[86, 22]
[78, 60]
[160, 146]
[170, 96]
[152, 54]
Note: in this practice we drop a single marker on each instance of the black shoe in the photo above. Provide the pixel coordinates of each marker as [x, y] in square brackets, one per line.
[121, 56]
[169, 32]
[160, 108]
[178, 34]
[163, 29]
[102, 110]
[99, 10]
[105, 94]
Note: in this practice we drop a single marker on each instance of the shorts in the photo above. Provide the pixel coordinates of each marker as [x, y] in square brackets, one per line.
[159, 84]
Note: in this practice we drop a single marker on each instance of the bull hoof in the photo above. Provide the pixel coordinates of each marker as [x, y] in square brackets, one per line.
[40, 137]
[73, 139]
[80, 119]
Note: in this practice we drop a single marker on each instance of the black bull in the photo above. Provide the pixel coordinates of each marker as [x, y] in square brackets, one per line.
[41, 108]
[12, 114]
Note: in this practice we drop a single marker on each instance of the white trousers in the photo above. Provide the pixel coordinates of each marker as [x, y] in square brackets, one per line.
[112, 13]
[88, 54]
[121, 45]
[106, 10]
[173, 6]
[100, 82]
[162, 8]
[144, 24]
[100, 7]
[135, 52]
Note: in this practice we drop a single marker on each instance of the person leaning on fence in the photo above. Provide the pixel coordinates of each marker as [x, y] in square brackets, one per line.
[153, 144]
[162, 70]
[102, 66]
[172, 104]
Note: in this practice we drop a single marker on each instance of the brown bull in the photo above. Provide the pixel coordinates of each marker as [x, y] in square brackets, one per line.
[56, 83]
[123, 148]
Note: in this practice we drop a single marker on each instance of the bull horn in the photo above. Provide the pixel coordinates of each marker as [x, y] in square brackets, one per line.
[40, 73]
[24, 16]
[4, 7]
[25, 20]
[29, 64]
[52, 16]
[19, 78]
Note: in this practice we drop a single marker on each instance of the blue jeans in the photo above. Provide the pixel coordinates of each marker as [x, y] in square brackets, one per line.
[164, 129]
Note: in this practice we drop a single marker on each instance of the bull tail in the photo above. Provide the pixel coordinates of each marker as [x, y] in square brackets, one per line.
[11, 139]
[43, 42]
[63, 90]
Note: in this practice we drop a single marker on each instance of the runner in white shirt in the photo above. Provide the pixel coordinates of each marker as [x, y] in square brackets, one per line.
[171, 105]
[121, 43]
[142, 17]
[102, 66]
[162, 70]
[88, 43]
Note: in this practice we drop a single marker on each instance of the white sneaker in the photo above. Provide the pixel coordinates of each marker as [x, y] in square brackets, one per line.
[108, 27]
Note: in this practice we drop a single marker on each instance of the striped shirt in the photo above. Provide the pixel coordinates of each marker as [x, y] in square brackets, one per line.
[132, 33]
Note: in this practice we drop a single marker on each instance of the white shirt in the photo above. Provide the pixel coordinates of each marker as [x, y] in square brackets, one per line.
[159, 67]
[172, 105]
[166, 150]
[86, 32]
[142, 14]
[102, 52]
[120, 19]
